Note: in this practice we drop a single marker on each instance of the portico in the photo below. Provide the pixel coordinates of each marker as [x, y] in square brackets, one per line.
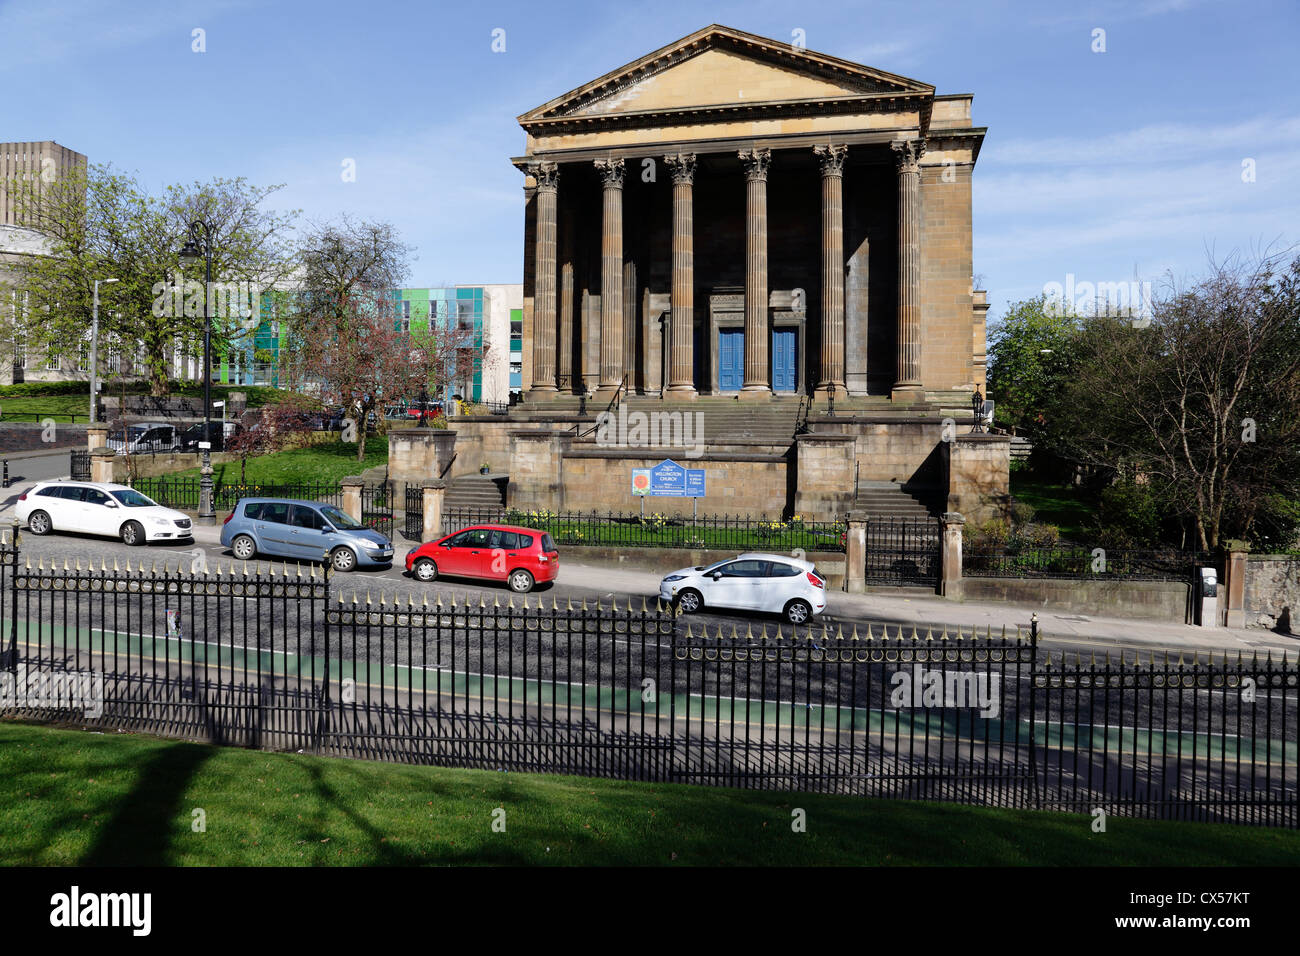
[732, 215]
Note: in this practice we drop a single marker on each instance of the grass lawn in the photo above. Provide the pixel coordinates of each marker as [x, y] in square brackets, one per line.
[1062, 505]
[72, 797]
[32, 407]
[326, 462]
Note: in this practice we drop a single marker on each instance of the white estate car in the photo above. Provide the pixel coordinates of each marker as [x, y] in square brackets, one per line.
[100, 508]
[753, 581]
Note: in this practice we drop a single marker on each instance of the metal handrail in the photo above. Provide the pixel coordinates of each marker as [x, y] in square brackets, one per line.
[609, 410]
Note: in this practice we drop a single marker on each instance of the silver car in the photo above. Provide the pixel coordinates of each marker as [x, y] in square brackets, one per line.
[304, 530]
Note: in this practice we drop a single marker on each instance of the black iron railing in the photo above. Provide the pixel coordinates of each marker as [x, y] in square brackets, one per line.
[287, 660]
[631, 530]
[183, 493]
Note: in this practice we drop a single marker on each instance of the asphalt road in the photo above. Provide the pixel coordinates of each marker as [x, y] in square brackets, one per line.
[395, 583]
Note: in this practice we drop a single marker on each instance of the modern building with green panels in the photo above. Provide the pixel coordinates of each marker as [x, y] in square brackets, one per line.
[486, 320]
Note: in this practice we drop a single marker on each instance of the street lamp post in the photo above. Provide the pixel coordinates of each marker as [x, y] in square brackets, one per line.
[199, 243]
[94, 353]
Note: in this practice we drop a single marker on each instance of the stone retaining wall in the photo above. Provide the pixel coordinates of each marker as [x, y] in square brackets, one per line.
[1272, 597]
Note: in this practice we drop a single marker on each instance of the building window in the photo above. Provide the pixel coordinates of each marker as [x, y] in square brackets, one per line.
[52, 362]
[83, 357]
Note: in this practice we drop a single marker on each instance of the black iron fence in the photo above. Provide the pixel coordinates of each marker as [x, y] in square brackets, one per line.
[632, 530]
[377, 506]
[284, 661]
[902, 552]
[79, 465]
[1084, 563]
[183, 493]
[414, 512]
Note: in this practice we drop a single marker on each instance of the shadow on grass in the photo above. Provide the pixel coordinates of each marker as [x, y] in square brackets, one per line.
[139, 831]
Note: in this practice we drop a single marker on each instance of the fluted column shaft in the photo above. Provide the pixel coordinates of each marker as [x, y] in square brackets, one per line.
[755, 163]
[908, 154]
[547, 176]
[681, 364]
[832, 326]
[611, 274]
[564, 360]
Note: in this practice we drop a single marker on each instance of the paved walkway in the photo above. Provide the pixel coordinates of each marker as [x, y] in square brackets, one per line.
[930, 611]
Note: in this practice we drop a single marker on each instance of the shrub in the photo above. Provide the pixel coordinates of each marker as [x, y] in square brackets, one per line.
[1129, 515]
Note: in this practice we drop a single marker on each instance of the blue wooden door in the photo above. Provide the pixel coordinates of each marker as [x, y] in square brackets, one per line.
[785, 346]
[731, 359]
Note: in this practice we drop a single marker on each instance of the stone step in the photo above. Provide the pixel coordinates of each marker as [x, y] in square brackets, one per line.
[892, 499]
[474, 491]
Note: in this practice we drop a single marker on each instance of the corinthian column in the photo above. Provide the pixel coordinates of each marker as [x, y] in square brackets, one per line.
[611, 275]
[755, 163]
[547, 176]
[832, 328]
[681, 365]
[908, 155]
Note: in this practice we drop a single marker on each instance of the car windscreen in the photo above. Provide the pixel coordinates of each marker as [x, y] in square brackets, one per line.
[340, 519]
[133, 499]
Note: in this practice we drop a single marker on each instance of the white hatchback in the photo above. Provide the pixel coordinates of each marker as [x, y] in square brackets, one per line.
[100, 508]
[753, 581]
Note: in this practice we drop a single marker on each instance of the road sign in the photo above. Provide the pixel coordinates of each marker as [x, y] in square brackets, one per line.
[668, 480]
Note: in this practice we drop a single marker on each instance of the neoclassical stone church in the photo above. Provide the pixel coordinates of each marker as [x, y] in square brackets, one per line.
[772, 241]
[732, 215]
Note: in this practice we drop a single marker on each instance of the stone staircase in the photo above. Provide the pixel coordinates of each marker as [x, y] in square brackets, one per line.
[475, 491]
[892, 499]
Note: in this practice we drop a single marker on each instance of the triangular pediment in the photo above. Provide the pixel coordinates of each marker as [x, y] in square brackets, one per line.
[720, 66]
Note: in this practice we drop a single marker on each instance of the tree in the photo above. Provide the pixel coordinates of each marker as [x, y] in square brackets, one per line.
[348, 333]
[1204, 402]
[1030, 355]
[99, 223]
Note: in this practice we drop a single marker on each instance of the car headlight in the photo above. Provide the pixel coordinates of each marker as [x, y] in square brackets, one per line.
[675, 577]
[161, 521]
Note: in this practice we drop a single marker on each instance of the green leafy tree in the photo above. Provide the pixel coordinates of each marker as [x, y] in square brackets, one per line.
[99, 223]
[1031, 353]
[1203, 404]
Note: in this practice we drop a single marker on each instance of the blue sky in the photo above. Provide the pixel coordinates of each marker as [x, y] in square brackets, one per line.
[1105, 165]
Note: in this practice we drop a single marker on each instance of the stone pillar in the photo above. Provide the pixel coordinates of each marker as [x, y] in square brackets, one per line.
[537, 469]
[832, 326]
[564, 361]
[950, 555]
[681, 361]
[1234, 584]
[101, 464]
[908, 155]
[611, 275]
[855, 553]
[755, 163]
[96, 437]
[547, 176]
[824, 487]
[352, 486]
[434, 491]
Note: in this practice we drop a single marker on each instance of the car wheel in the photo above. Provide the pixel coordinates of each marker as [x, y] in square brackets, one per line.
[343, 559]
[244, 547]
[425, 569]
[133, 534]
[521, 582]
[798, 612]
[690, 601]
[38, 522]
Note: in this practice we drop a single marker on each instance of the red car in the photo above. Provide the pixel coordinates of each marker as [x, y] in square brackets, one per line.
[521, 557]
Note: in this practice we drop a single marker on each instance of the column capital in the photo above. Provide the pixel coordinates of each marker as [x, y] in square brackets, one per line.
[611, 172]
[832, 157]
[545, 174]
[908, 153]
[755, 162]
[682, 167]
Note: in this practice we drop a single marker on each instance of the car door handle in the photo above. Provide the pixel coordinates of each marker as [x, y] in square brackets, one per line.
[473, 552]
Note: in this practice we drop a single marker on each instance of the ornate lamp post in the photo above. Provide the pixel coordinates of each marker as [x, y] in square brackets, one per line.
[977, 407]
[198, 243]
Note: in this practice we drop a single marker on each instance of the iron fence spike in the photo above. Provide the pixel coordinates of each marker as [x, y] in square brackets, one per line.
[644, 609]
[66, 568]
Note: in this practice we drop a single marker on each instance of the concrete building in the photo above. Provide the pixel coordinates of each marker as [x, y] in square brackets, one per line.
[42, 162]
